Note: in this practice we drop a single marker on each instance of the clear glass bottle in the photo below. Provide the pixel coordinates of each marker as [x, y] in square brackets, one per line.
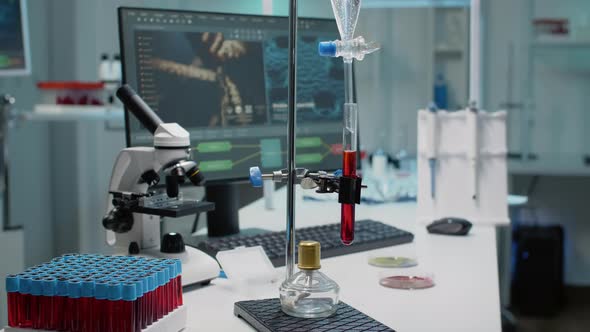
[309, 293]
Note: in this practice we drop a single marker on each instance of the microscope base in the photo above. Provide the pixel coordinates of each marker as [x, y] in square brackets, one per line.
[197, 266]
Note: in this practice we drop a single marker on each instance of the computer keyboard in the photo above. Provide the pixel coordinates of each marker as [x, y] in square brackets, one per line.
[368, 235]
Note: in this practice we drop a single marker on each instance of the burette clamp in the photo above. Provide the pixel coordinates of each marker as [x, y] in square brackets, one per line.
[348, 188]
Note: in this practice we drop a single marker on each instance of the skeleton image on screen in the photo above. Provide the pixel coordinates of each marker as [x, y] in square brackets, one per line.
[208, 64]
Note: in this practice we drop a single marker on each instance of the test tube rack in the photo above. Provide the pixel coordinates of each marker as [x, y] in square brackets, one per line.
[77, 292]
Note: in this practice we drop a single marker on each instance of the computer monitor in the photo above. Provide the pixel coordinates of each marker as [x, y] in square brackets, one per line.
[14, 38]
[224, 78]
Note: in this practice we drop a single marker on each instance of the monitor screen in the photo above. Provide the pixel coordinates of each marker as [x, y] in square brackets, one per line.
[224, 78]
[14, 48]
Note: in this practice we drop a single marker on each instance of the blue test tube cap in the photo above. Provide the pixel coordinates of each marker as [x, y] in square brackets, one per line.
[152, 281]
[49, 285]
[74, 288]
[37, 286]
[62, 286]
[114, 290]
[327, 48]
[146, 284]
[255, 177]
[159, 276]
[338, 172]
[171, 266]
[178, 267]
[167, 274]
[139, 290]
[128, 291]
[25, 283]
[12, 283]
[87, 288]
[101, 289]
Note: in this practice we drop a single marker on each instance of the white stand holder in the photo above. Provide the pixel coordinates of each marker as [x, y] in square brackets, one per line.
[468, 150]
[173, 322]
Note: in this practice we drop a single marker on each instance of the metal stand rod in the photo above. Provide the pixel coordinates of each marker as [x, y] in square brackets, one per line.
[292, 121]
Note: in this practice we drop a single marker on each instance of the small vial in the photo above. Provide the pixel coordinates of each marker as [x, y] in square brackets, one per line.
[100, 305]
[138, 305]
[13, 299]
[113, 307]
[37, 313]
[61, 315]
[179, 300]
[127, 313]
[87, 313]
[24, 312]
[49, 285]
[309, 293]
[73, 305]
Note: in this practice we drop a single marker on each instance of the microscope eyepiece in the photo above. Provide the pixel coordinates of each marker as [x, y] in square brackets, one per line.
[139, 108]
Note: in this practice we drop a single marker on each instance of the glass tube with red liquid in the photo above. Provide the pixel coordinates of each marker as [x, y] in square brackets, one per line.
[12, 290]
[349, 154]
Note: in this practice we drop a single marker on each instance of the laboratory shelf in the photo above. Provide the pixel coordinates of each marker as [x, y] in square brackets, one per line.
[45, 112]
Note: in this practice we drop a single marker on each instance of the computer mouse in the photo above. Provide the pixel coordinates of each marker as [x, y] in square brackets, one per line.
[449, 226]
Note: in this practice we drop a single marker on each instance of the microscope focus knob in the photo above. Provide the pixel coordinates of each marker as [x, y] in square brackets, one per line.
[172, 243]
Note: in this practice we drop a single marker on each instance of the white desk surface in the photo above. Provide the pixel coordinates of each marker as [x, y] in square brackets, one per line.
[465, 298]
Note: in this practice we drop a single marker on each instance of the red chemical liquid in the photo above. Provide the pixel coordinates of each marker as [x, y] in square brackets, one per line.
[138, 307]
[347, 210]
[37, 314]
[46, 303]
[13, 308]
[57, 313]
[170, 290]
[100, 309]
[178, 291]
[126, 316]
[161, 302]
[74, 314]
[66, 316]
[24, 311]
[87, 313]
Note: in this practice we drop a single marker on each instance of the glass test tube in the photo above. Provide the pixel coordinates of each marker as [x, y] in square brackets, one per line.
[349, 165]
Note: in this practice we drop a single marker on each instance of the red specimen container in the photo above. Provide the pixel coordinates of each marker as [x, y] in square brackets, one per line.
[179, 300]
[49, 285]
[74, 315]
[13, 299]
[139, 305]
[60, 314]
[87, 314]
[113, 307]
[128, 305]
[348, 210]
[38, 315]
[100, 306]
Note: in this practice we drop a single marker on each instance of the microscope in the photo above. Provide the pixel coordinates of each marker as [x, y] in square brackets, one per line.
[135, 209]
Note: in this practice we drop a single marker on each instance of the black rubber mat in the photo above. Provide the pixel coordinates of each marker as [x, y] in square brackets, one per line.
[266, 316]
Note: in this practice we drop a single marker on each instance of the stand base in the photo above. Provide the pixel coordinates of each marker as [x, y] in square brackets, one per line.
[267, 316]
[173, 322]
[197, 266]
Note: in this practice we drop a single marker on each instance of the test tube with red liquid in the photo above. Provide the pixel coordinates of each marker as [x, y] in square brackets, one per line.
[94, 293]
[100, 305]
[13, 299]
[49, 285]
[349, 165]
